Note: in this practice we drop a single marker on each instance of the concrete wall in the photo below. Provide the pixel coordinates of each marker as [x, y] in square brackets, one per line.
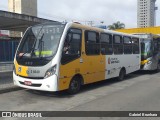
[28, 7]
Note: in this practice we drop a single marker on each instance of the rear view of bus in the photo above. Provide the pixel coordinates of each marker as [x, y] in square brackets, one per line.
[150, 51]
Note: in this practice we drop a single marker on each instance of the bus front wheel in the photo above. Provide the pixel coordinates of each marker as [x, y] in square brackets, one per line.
[75, 85]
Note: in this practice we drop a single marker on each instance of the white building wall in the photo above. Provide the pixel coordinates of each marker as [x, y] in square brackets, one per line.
[146, 13]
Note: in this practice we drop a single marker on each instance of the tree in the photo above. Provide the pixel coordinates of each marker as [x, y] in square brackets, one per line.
[117, 25]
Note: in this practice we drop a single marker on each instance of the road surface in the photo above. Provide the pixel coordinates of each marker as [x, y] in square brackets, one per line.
[140, 91]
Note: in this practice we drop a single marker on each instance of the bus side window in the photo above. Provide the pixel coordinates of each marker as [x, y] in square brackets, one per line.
[92, 43]
[106, 44]
[72, 46]
[117, 44]
[127, 45]
[135, 45]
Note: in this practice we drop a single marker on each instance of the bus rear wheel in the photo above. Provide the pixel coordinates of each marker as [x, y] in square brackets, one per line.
[75, 85]
[122, 74]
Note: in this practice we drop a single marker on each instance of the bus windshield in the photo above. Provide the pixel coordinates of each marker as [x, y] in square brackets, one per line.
[40, 41]
[146, 49]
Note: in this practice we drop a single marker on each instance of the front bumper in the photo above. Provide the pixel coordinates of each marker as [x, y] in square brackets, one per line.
[48, 84]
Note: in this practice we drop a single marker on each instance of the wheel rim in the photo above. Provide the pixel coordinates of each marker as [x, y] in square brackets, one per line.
[75, 86]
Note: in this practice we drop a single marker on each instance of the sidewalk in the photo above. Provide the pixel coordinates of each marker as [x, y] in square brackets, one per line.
[6, 82]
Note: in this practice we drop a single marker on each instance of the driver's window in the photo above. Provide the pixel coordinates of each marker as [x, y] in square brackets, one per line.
[72, 46]
[67, 43]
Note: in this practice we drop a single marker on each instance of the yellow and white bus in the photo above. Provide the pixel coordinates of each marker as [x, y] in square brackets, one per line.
[56, 56]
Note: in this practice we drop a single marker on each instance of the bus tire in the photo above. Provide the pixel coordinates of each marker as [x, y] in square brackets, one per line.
[122, 74]
[75, 85]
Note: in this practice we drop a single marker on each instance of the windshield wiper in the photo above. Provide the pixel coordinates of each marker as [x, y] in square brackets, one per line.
[40, 44]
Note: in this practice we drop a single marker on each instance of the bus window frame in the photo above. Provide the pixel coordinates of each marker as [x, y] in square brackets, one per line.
[115, 44]
[97, 39]
[125, 44]
[69, 58]
[105, 43]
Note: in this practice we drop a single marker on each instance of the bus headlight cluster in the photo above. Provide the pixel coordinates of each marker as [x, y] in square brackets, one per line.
[50, 71]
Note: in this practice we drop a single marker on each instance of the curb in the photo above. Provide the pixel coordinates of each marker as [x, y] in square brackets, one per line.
[10, 89]
[5, 71]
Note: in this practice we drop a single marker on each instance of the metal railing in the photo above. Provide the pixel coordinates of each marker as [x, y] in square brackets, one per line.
[6, 66]
[6, 79]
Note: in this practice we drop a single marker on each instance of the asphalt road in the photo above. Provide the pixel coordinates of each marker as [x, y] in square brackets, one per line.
[140, 91]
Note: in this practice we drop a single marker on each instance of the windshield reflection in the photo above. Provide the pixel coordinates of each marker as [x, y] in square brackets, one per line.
[40, 41]
[146, 49]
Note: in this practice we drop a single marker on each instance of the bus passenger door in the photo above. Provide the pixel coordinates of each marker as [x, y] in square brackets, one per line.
[71, 55]
[93, 62]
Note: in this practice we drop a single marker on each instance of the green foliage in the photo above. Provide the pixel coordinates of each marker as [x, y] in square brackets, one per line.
[117, 25]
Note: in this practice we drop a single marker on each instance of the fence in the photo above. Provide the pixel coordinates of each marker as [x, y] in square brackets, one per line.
[7, 49]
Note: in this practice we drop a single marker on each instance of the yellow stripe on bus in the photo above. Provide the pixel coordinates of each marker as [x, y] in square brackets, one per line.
[21, 70]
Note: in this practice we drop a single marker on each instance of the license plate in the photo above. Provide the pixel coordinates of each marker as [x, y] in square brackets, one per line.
[29, 83]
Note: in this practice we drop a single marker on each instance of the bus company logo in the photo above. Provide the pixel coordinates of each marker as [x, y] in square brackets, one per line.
[27, 71]
[109, 60]
[113, 60]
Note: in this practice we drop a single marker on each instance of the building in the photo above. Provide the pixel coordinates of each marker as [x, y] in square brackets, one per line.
[28, 7]
[146, 16]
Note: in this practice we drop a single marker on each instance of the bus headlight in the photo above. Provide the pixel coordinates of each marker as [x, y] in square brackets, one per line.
[50, 71]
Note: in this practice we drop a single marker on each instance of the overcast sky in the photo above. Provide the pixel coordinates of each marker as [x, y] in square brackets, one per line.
[108, 11]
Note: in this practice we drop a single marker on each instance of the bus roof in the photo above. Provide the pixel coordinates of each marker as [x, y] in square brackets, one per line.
[99, 29]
